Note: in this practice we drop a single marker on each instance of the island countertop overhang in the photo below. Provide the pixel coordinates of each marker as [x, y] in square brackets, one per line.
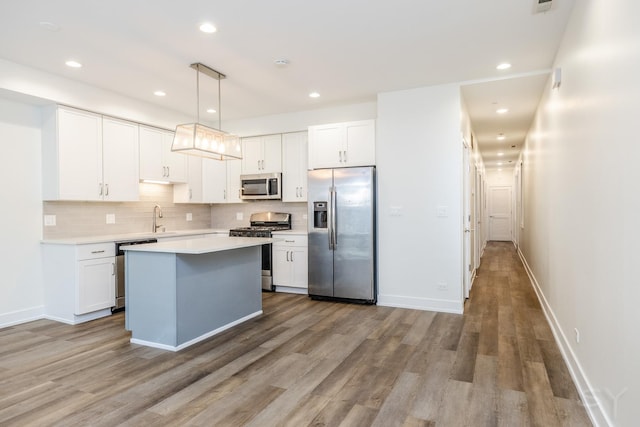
[201, 246]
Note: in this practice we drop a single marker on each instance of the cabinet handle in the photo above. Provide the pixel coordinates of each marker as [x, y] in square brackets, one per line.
[100, 189]
[164, 171]
[113, 268]
[258, 164]
[168, 171]
[289, 241]
[345, 156]
[291, 256]
[224, 194]
[106, 192]
[97, 252]
[340, 154]
[287, 256]
[190, 194]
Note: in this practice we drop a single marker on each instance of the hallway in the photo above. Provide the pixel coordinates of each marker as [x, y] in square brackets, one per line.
[517, 357]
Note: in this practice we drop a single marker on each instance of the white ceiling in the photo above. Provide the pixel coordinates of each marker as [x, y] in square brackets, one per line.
[348, 51]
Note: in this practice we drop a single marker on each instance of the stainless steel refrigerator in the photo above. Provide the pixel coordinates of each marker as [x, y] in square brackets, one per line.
[342, 238]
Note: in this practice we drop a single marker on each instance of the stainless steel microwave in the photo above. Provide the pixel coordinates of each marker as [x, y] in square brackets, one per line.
[261, 186]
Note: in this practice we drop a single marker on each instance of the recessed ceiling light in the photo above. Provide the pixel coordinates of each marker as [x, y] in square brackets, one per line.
[501, 154]
[211, 110]
[499, 169]
[50, 26]
[208, 28]
[500, 137]
[502, 110]
[314, 95]
[160, 93]
[503, 66]
[73, 64]
[281, 62]
[499, 163]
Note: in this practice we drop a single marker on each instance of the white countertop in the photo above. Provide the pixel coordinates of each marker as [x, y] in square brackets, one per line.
[200, 246]
[284, 232]
[132, 236]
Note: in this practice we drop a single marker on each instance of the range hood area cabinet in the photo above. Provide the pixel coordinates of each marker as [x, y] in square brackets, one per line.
[157, 161]
[262, 154]
[89, 157]
[339, 145]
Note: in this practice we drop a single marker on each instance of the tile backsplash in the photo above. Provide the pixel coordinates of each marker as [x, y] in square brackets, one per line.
[80, 219]
[225, 216]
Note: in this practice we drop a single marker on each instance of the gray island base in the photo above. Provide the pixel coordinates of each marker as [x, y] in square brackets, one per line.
[180, 293]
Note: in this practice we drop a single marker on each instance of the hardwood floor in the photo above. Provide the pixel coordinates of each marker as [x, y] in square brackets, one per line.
[306, 363]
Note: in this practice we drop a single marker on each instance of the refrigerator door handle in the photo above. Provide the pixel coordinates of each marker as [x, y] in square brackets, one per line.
[329, 220]
[334, 227]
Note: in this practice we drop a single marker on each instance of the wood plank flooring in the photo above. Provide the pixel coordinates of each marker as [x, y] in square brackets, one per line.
[306, 363]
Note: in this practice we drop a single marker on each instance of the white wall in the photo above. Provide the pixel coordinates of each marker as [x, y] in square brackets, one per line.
[21, 214]
[419, 159]
[582, 202]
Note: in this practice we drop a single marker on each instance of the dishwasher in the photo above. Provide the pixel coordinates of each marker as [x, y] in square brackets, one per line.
[120, 274]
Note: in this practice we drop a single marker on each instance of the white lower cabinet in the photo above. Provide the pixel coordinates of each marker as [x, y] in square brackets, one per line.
[290, 262]
[79, 281]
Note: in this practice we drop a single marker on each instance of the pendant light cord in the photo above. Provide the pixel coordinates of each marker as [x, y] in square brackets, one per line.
[198, 94]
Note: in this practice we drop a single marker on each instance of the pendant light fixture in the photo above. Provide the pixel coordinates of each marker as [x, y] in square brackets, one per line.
[197, 139]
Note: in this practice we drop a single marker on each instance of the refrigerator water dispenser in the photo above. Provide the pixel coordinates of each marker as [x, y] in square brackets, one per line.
[319, 214]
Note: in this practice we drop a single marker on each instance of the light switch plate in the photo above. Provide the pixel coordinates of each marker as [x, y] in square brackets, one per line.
[189, 216]
[111, 218]
[49, 220]
[395, 211]
[239, 216]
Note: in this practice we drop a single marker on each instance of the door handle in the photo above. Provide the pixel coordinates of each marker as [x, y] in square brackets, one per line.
[334, 224]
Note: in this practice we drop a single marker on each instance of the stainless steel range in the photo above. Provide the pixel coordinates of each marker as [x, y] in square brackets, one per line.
[262, 225]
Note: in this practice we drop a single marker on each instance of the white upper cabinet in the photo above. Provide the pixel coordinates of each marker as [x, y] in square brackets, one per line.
[120, 160]
[191, 192]
[157, 161]
[88, 157]
[342, 144]
[262, 154]
[214, 181]
[221, 181]
[294, 167]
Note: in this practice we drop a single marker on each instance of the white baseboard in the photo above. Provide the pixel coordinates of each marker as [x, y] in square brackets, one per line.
[587, 393]
[197, 339]
[21, 316]
[427, 304]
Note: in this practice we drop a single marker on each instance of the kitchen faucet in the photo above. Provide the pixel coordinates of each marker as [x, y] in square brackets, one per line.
[157, 210]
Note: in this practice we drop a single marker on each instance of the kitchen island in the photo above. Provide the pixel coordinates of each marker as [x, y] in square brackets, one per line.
[181, 292]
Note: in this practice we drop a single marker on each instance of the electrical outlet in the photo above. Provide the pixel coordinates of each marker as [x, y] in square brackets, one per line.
[442, 211]
[239, 216]
[577, 335]
[442, 286]
[49, 220]
[111, 218]
[189, 216]
[304, 216]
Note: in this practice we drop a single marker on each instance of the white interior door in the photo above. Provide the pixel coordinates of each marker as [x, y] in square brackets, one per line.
[500, 213]
[466, 221]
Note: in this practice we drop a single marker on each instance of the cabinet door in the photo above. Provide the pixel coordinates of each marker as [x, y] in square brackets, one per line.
[299, 269]
[214, 181]
[271, 154]
[120, 150]
[294, 167]
[151, 162]
[281, 266]
[79, 155]
[191, 192]
[252, 155]
[325, 146]
[176, 163]
[359, 148]
[95, 285]
[234, 169]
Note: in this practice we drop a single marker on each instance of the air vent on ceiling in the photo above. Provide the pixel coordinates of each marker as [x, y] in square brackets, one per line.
[541, 5]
